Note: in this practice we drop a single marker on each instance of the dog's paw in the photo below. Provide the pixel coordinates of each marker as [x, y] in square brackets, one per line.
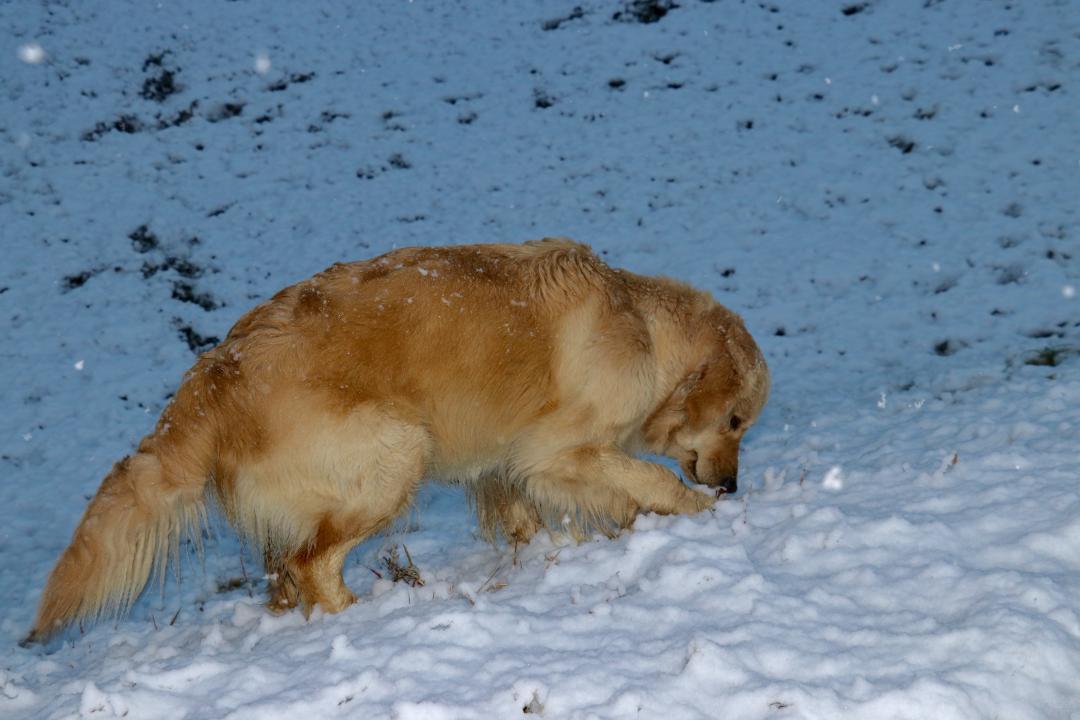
[279, 604]
[519, 522]
[701, 501]
[339, 601]
[284, 595]
[625, 513]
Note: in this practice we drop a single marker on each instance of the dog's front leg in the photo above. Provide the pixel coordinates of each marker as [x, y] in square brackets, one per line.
[606, 481]
[653, 487]
[502, 506]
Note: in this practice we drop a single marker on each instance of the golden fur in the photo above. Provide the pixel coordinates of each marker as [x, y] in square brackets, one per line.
[530, 374]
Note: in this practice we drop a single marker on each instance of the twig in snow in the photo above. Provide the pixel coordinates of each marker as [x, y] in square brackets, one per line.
[496, 586]
[407, 573]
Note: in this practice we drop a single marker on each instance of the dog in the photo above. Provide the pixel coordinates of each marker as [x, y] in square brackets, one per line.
[530, 374]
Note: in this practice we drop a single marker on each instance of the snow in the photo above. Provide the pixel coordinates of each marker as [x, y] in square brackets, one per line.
[887, 192]
[31, 53]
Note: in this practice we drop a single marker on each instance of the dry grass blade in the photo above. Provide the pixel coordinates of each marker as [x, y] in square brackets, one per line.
[407, 573]
[488, 586]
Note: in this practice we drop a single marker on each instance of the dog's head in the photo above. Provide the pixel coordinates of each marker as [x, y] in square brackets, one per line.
[702, 422]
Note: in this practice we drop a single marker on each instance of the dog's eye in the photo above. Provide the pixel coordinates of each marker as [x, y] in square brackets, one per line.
[736, 421]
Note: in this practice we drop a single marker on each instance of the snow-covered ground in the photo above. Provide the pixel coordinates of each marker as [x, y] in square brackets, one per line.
[887, 191]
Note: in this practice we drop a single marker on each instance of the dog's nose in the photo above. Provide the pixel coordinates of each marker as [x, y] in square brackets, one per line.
[728, 484]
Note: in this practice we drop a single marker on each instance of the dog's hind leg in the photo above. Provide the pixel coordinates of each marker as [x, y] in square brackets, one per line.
[284, 594]
[374, 481]
[316, 574]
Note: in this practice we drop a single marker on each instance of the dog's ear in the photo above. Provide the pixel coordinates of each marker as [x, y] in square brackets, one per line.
[670, 415]
[688, 383]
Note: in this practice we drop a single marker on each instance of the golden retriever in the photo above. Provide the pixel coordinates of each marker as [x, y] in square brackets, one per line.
[531, 374]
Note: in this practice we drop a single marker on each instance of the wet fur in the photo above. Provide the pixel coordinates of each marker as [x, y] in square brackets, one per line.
[530, 374]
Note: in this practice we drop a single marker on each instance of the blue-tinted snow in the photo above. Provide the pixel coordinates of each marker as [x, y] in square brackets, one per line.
[886, 191]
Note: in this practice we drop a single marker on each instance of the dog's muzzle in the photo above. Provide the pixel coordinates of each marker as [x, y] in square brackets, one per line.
[726, 484]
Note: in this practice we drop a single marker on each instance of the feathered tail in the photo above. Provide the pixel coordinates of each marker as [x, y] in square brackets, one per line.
[134, 523]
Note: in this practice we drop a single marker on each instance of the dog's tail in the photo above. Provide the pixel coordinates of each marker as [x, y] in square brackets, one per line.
[135, 521]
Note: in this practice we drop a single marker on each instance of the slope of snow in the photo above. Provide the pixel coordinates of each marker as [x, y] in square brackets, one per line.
[887, 192]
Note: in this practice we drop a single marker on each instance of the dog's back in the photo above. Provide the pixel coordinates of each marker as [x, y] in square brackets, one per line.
[321, 411]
